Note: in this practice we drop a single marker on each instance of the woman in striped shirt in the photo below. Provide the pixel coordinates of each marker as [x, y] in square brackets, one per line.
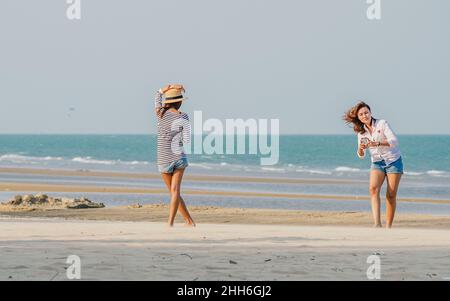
[173, 133]
[376, 136]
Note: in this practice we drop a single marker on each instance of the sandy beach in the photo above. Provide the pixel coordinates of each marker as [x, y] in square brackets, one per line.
[133, 242]
[37, 249]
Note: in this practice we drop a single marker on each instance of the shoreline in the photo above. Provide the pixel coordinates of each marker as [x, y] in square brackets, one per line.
[47, 188]
[206, 213]
[189, 177]
[236, 216]
[41, 188]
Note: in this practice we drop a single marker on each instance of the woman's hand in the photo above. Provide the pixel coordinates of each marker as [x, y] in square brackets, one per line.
[361, 150]
[158, 111]
[364, 144]
[373, 144]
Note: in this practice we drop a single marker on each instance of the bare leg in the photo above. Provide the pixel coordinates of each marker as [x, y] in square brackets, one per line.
[182, 206]
[175, 196]
[184, 211]
[393, 182]
[376, 181]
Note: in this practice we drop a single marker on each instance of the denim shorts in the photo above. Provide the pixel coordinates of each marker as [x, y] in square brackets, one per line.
[170, 167]
[394, 167]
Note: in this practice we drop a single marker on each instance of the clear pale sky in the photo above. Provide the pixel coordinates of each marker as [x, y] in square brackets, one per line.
[302, 61]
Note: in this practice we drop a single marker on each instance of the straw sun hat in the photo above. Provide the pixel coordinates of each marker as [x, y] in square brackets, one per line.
[173, 95]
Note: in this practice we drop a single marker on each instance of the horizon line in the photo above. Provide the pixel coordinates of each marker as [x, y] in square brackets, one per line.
[149, 134]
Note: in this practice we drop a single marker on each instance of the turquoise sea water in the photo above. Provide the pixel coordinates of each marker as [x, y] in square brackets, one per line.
[315, 155]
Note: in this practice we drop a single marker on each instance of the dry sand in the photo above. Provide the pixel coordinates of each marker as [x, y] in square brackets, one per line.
[37, 249]
[124, 243]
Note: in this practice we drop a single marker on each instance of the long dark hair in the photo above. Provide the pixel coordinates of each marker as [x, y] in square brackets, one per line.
[351, 117]
[163, 110]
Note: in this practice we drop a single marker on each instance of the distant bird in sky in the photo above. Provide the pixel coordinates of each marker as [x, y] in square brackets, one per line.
[71, 110]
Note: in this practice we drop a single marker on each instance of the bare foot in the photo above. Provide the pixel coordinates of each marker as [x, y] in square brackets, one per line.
[378, 226]
[189, 224]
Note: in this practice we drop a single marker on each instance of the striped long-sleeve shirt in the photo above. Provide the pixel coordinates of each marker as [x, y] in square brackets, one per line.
[174, 132]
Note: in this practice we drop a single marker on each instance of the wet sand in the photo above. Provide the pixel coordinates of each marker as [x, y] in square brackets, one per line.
[89, 173]
[47, 188]
[219, 215]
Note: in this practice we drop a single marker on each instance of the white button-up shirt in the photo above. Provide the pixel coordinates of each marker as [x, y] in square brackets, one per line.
[381, 132]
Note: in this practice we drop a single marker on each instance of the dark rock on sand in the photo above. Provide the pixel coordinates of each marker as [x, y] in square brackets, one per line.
[44, 202]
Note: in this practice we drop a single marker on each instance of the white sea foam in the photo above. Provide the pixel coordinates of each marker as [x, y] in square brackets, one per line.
[347, 169]
[436, 172]
[314, 171]
[320, 172]
[90, 160]
[134, 162]
[204, 166]
[60, 161]
[273, 169]
[412, 173]
[14, 158]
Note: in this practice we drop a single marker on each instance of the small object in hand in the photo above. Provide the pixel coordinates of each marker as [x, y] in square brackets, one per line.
[365, 141]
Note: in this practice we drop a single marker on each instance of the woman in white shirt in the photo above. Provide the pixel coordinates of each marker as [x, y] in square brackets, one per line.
[376, 136]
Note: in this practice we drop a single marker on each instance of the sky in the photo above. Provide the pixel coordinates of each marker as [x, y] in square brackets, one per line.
[303, 62]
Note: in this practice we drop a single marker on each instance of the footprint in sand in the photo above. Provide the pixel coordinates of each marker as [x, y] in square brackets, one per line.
[19, 267]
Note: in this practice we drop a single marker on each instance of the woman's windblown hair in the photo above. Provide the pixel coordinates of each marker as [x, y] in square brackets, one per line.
[351, 117]
[163, 109]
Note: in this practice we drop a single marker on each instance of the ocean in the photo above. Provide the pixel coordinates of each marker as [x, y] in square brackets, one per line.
[426, 160]
[324, 155]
